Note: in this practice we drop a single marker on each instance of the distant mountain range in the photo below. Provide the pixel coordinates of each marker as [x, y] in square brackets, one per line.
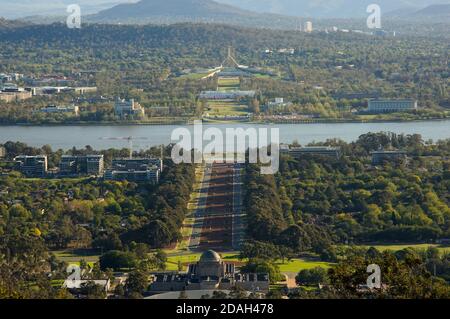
[173, 11]
[331, 8]
[10, 23]
[255, 13]
[435, 10]
[174, 8]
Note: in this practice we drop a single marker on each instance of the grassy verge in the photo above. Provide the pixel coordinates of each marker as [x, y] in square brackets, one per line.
[71, 256]
[189, 221]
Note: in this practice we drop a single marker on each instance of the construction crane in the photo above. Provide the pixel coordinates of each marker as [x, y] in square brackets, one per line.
[130, 140]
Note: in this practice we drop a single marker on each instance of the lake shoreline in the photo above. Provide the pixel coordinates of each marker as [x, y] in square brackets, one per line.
[222, 122]
[97, 136]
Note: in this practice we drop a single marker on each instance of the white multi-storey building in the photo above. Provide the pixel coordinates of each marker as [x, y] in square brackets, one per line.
[128, 107]
[387, 106]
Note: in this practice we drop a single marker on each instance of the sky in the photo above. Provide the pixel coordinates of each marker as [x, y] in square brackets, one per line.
[12, 9]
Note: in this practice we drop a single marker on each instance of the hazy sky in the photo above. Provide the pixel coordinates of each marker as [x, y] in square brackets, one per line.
[23, 8]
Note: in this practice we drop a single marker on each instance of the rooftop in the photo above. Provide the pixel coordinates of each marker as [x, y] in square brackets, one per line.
[210, 256]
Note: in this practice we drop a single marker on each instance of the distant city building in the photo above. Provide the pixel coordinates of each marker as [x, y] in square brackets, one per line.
[13, 93]
[81, 165]
[308, 27]
[233, 72]
[32, 166]
[383, 33]
[128, 107]
[9, 77]
[149, 175]
[49, 90]
[135, 170]
[137, 163]
[278, 102]
[387, 106]
[226, 95]
[2, 152]
[298, 152]
[379, 157]
[286, 51]
[210, 273]
[61, 109]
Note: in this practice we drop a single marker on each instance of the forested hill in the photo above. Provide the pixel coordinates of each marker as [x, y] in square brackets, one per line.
[438, 10]
[4, 23]
[174, 11]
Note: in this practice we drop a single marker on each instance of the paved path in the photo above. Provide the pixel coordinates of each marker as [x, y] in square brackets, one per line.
[290, 276]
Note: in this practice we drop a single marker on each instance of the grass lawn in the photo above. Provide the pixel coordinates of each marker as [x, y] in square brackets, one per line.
[74, 256]
[296, 265]
[193, 76]
[226, 108]
[228, 82]
[57, 282]
[191, 258]
[189, 221]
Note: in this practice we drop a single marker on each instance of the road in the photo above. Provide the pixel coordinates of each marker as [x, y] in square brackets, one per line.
[211, 214]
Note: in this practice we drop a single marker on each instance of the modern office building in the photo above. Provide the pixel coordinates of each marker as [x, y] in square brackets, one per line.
[136, 170]
[137, 163]
[148, 175]
[298, 152]
[210, 273]
[226, 95]
[50, 90]
[32, 166]
[72, 109]
[388, 106]
[124, 107]
[81, 165]
[308, 27]
[379, 157]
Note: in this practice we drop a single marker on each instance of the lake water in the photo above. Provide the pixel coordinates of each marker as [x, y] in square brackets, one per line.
[66, 137]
